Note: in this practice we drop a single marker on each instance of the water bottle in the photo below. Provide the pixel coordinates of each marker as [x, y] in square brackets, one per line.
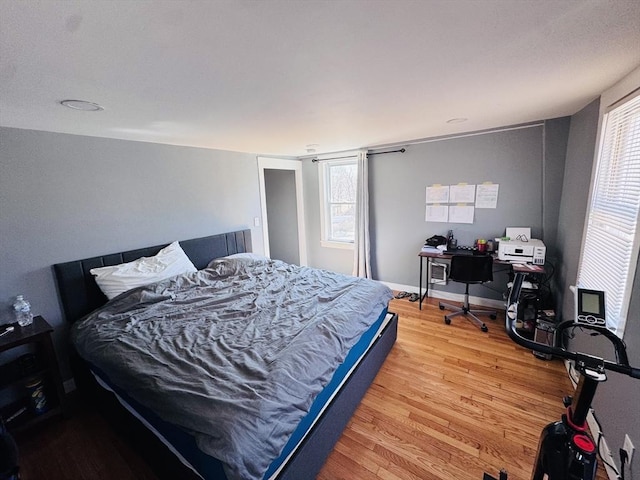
[22, 309]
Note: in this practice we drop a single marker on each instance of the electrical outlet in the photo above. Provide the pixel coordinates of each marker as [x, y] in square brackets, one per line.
[628, 447]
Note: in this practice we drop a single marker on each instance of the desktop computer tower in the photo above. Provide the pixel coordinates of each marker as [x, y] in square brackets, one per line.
[438, 273]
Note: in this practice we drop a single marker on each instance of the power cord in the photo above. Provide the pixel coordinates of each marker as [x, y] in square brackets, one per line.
[623, 461]
[600, 437]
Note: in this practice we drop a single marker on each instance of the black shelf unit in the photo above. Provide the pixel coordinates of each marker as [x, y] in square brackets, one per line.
[40, 363]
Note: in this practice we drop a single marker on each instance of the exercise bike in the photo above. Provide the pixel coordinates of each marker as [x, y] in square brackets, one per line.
[566, 450]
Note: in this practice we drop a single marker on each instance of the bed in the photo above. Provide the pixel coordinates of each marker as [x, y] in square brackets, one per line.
[292, 430]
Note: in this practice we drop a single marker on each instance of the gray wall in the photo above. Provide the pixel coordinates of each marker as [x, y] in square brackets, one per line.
[616, 402]
[280, 194]
[515, 159]
[556, 133]
[573, 205]
[66, 197]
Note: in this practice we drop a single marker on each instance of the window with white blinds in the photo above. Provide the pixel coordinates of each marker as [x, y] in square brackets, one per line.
[338, 181]
[610, 250]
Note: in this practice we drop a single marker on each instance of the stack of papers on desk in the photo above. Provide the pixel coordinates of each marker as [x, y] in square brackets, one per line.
[429, 249]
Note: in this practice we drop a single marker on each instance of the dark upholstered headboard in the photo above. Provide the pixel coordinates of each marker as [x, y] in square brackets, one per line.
[79, 293]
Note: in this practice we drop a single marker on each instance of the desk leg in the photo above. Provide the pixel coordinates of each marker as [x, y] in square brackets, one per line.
[426, 288]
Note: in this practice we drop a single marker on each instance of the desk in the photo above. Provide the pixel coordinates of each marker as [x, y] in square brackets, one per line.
[430, 256]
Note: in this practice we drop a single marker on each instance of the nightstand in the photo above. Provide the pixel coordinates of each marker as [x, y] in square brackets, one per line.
[33, 364]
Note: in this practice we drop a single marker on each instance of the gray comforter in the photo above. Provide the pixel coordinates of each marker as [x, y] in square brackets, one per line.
[235, 354]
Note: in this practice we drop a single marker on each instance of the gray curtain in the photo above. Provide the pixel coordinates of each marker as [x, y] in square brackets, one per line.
[361, 250]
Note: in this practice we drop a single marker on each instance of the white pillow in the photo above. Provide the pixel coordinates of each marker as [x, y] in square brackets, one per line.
[169, 262]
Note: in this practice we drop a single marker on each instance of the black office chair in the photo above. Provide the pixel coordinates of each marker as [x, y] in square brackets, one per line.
[470, 269]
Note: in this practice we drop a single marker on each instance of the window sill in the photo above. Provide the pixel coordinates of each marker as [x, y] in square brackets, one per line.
[339, 245]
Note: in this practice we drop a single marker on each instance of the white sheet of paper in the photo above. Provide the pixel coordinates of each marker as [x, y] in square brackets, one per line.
[518, 233]
[462, 193]
[438, 194]
[487, 195]
[461, 213]
[436, 213]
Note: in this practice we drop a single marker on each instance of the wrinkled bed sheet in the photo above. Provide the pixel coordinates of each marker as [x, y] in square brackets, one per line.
[235, 354]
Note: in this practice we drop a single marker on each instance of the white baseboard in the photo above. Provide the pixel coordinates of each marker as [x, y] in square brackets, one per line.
[605, 451]
[453, 297]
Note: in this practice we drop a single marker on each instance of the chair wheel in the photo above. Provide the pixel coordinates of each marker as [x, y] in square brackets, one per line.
[441, 307]
[447, 321]
[484, 328]
[492, 317]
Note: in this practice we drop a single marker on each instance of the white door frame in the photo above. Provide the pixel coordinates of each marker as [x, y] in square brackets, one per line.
[266, 163]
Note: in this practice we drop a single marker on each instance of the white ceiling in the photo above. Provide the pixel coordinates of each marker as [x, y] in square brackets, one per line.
[272, 76]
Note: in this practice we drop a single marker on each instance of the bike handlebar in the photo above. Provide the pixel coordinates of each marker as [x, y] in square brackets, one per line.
[620, 366]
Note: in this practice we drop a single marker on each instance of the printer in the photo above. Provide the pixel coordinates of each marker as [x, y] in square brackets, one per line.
[519, 251]
[520, 247]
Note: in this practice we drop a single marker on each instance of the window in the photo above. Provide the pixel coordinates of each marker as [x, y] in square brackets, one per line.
[610, 250]
[338, 180]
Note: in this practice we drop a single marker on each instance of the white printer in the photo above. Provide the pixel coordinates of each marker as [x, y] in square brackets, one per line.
[532, 251]
[521, 248]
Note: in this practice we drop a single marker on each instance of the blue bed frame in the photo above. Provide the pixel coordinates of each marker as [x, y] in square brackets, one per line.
[80, 295]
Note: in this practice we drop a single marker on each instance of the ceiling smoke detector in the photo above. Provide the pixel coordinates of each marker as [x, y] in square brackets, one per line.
[82, 105]
[312, 147]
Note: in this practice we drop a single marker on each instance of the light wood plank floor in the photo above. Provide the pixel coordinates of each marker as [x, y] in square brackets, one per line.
[449, 403]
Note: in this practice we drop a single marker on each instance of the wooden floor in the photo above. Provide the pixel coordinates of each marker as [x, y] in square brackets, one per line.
[449, 403]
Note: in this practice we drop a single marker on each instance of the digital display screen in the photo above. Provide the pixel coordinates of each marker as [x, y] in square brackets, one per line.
[591, 303]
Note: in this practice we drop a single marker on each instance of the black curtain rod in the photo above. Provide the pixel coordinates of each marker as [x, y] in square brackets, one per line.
[314, 160]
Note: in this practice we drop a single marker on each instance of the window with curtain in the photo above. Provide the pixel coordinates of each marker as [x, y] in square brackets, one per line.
[610, 251]
[338, 183]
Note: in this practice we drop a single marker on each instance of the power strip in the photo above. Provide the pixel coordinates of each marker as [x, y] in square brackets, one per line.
[604, 450]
